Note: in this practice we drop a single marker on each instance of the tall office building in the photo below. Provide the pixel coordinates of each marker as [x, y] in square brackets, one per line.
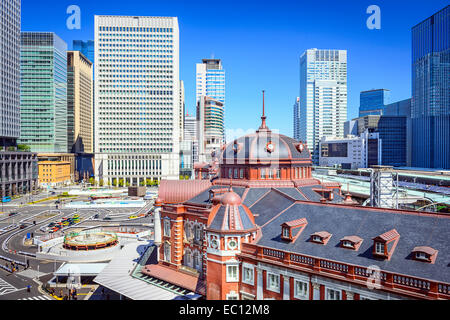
[136, 99]
[210, 127]
[9, 72]
[296, 121]
[182, 107]
[79, 103]
[43, 97]
[87, 48]
[430, 106]
[210, 82]
[18, 168]
[373, 102]
[323, 92]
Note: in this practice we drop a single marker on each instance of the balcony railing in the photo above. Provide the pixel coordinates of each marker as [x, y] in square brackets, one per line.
[395, 282]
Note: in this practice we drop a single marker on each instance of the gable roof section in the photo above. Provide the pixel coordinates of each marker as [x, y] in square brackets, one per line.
[177, 191]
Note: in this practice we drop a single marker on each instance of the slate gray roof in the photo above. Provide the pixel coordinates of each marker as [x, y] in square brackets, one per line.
[343, 221]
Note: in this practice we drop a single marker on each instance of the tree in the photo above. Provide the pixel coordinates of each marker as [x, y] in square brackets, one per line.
[120, 182]
[92, 181]
[101, 183]
[148, 182]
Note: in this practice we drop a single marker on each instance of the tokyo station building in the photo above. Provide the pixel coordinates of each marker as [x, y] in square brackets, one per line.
[260, 227]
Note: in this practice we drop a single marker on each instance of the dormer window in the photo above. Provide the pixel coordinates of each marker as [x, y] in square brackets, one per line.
[292, 229]
[384, 245]
[321, 237]
[286, 233]
[351, 242]
[425, 254]
[347, 244]
[379, 248]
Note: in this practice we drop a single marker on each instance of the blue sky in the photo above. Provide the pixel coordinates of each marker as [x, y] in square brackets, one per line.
[260, 43]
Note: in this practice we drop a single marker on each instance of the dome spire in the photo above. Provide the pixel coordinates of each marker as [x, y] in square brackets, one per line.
[263, 127]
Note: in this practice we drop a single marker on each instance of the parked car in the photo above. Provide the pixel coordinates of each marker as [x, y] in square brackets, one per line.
[12, 214]
[22, 226]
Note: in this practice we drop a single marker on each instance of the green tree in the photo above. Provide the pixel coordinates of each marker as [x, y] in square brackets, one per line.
[101, 183]
[120, 182]
[92, 181]
[148, 182]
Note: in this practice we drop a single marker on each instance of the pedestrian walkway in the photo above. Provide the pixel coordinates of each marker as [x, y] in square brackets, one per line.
[6, 288]
[30, 273]
[41, 297]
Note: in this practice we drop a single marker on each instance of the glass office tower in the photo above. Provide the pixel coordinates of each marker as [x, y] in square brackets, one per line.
[430, 107]
[210, 82]
[373, 102]
[43, 97]
[87, 48]
[323, 96]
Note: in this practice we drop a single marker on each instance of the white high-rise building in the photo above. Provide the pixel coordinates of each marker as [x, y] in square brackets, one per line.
[182, 106]
[137, 99]
[323, 92]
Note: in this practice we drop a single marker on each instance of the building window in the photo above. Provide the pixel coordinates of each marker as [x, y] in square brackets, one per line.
[333, 294]
[241, 174]
[167, 252]
[379, 248]
[230, 173]
[286, 232]
[301, 289]
[278, 174]
[263, 173]
[422, 256]
[248, 275]
[232, 273]
[347, 244]
[273, 282]
[235, 173]
[232, 296]
[167, 227]
[198, 233]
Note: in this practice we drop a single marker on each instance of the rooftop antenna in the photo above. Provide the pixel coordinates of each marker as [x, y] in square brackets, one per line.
[263, 126]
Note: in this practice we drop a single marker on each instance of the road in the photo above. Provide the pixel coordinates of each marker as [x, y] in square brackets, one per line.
[13, 286]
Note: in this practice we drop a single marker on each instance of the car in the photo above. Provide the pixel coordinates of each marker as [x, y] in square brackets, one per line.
[107, 218]
[12, 214]
[22, 226]
[51, 224]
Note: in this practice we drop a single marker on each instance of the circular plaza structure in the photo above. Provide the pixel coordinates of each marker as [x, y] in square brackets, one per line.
[89, 241]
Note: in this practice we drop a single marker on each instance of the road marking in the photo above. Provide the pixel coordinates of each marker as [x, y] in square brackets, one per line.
[42, 297]
[6, 288]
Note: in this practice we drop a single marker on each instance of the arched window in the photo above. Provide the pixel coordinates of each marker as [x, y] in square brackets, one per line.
[263, 173]
[278, 173]
[197, 261]
[241, 174]
[230, 173]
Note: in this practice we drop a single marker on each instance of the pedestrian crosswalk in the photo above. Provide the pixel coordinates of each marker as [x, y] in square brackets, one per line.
[42, 297]
[6, 288]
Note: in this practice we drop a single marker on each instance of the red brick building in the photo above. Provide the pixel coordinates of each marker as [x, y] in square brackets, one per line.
[263, 228]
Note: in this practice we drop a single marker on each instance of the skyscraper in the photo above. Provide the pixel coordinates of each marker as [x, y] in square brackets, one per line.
[430, 104]
[136, 99]
[18, 168]
[9, 72]
[323, 92]
[87, 48]
[373, 102]
[296, 117]
[43, 97]
[210, 127]
[182, 107]
[79, 103]
[210, 82]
